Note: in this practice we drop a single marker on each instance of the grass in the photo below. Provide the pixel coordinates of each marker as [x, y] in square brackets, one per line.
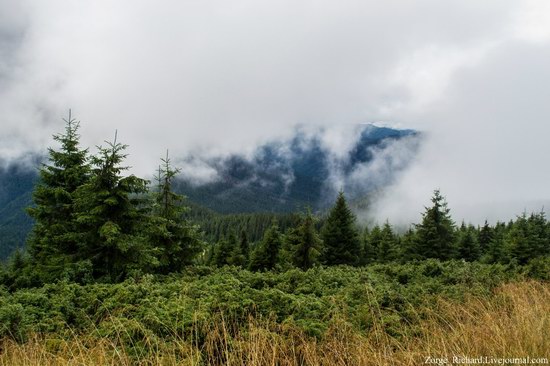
[514, 321]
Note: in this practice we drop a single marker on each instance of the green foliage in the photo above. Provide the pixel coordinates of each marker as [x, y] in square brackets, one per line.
[340, 237]
[110, 213]
[387, 246]
[435, 236]
[175, 238]
[528, 238]
[53, 241]
[304, 243]
[468, 246]
[224, 251]
[266, 254]
[171, 307]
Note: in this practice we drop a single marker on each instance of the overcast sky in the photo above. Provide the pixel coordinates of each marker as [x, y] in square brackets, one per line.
[223, 76]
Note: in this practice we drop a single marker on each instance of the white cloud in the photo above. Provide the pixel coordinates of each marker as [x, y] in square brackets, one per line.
[214, 77]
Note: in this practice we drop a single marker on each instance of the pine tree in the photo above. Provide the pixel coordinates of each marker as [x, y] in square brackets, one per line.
[111, 211]
[435, 236]
[484, 237]
[307, 247]
[372, 244]
[245, 246]
[178, 241]
[241, 252]
[365, 247]
[495, 250]
[53, 243]
[408, 246]
[388, 244]
[527, 238]
[224, 250]
[266, 255]
[468, 247]
[340, 237]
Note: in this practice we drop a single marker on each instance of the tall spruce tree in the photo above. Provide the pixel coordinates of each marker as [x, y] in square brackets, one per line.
[484, 237]
[339, 234]
[468, 246]
[53, 243]
[435, 236]
[372, 244]
[306, 246]
[177, 241]
[224, 250]
[388, 244]
[111, 212]
[267, 253]
[495, 252]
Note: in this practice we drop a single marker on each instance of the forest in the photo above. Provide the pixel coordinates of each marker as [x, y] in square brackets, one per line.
[121, 270]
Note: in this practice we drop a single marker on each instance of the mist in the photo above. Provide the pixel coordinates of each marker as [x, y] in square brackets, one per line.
[214, 78]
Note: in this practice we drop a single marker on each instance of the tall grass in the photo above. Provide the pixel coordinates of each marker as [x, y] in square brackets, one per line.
[513, 322]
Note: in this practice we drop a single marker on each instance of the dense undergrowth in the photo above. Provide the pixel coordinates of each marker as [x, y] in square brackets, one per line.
[204, 313]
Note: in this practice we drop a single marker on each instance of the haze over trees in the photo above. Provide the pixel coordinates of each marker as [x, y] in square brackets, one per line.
[95, 223]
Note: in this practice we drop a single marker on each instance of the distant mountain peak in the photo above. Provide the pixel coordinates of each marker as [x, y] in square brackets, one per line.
[285, 175]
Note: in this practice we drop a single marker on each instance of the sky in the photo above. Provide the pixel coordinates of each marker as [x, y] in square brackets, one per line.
[216, 77]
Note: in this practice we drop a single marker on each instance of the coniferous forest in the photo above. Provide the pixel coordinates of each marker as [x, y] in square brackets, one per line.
[120, 270]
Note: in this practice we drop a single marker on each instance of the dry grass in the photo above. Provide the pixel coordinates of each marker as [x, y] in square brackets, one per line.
[514, 322]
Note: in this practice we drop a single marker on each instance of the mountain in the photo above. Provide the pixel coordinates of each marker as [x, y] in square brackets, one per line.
[16, 185]
[279, 177]
[284, 176]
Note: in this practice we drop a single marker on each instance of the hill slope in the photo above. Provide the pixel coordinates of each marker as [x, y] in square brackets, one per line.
[280, 177]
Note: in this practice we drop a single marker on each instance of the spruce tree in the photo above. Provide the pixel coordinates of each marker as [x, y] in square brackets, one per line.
[240, 255]
[266, 255]
[373, 244]
[53, 243]
[435, 236]
[407, 249]
[307, 245]
[495, 250]
[244, 246]
[177, 241]
[484, 237]
[527, 238]
[224, 250]
[340, 237]
[468, 246]
[111, 212]
[388, 244]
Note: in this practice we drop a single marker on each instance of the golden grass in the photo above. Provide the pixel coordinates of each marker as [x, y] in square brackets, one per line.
[513, 322]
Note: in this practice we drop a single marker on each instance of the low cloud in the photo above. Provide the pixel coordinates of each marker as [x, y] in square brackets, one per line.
[213, 78]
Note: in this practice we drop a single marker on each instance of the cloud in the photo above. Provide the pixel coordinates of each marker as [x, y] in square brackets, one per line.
[214, 77]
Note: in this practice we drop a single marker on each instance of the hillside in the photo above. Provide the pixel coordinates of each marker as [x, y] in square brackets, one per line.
[284, 176]
[281, 177]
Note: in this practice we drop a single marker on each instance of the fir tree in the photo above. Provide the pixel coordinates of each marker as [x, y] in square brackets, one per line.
[241, 252]
[365, 247]
[266, 255]
[53, 243]
[484, 237]
[408, 246]
[387, 245]
[527, 238]
[468, 247]
[340, 237]
[178, 241]
[307, 246]
[224, 250]
[495, 250]
[435, 236]
[373, 244]
[245, 246]
[111, 212]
